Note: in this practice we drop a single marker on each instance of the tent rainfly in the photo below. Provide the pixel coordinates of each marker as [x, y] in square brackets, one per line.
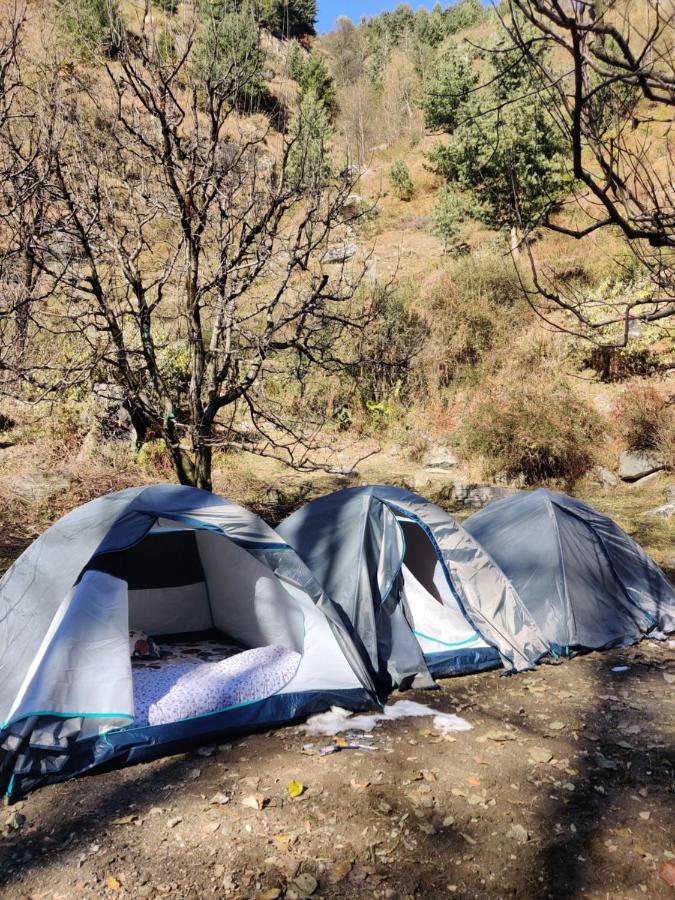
[420, 593]
[584, 581]
[236, 634]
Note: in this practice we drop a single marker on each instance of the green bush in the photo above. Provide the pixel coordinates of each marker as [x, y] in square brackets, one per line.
[168, 6]
[401, 181]
[530, 428]
[92, 25]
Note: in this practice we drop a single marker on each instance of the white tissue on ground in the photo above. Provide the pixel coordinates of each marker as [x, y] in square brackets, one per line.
[338, 719]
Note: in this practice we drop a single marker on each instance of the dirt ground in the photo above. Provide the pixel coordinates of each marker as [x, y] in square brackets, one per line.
[564, 787]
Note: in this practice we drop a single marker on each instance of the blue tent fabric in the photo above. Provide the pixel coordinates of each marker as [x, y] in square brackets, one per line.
[584, 581]
[354, 541]
[66, 700]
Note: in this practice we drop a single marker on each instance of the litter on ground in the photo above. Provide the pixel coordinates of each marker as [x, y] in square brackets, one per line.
[337, 719]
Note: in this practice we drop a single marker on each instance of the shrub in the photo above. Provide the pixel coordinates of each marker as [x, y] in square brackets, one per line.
[401, 180]
[168, 6]
[646, 420]
[92, 25]
[532, 429]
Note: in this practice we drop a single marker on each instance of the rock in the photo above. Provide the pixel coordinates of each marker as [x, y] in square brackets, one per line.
[556, 726]
[518, 833]
[171, 823]
[339, 254]
[440, 458]
[352, 207]
[667, 873]
[667, 511]
[305, 884]
[635, 464]
[111, 432]
[670, 493]
[605, 477]
[476, 496]
[540, 754]
[37, 487]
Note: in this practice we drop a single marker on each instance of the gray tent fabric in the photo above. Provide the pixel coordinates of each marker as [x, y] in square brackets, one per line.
[584, 581]
[176, 557]
[354, 543]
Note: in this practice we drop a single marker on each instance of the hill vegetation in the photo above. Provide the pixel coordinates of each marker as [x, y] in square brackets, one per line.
[447, 226]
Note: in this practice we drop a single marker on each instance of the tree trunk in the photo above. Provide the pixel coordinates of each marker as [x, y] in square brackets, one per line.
[515, 241]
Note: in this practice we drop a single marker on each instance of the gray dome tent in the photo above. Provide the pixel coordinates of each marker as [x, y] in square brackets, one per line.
[585, 582]
[422, 596]
[173, 561]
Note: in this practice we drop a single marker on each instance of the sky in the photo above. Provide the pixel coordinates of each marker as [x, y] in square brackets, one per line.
[329, 10]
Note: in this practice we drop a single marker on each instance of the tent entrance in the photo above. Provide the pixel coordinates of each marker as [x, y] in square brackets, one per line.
[435, 614]
[227, 630]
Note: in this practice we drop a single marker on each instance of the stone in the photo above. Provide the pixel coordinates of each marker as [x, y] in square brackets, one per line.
[111, 431]
[476, 496]
[518, 833]
[37, 487]
[670, 493]
[667, 511]
[605, 477]
[540, 754]
[352, 207]
[341, 253]
[636, 464]
[440, 458]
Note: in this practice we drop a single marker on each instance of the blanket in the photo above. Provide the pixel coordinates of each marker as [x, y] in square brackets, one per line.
[189, 688]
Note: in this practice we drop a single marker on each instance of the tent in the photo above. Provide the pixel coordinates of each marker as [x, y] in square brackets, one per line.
[585, 582]
[422, 596]
[242, 635]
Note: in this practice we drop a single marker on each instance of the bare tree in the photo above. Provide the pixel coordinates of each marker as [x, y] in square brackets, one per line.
[181, 253]
[611, 84]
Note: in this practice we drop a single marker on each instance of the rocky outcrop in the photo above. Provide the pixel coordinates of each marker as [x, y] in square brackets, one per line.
[111, 433]
[341, 253]
[37, 487]
[440, 458]
[636, 464]
[605, 477]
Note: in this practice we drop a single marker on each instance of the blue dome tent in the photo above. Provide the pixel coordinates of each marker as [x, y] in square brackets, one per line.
[422, 596]
[584, 581]
[244, 636]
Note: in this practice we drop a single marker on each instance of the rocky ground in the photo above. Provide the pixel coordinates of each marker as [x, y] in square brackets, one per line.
[563, 788]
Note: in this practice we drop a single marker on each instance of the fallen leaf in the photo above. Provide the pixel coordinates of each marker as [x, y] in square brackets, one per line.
[359, 786]
[112, 883]
[254, 801]
[429, 776]
[500, 736]
[219, 799]
[667, 873]
[124, 820]
[295, 789]
[173, 822]
[270, 894]
[339, 871]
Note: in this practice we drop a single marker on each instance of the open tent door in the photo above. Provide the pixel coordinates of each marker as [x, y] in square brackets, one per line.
[448, 638]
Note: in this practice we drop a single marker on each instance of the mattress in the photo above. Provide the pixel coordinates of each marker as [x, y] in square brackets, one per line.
[180, 688]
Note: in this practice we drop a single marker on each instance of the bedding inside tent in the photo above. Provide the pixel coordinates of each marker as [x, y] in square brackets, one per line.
[212, 609]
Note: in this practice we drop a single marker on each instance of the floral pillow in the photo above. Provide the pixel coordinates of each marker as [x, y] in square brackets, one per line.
[142, 646]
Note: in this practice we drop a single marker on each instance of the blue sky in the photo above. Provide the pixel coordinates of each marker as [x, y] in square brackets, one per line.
[329, 10]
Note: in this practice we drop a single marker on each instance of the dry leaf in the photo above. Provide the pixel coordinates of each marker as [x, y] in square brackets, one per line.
[124, 820]
[339, 871]
[254, 801]
[112, 883]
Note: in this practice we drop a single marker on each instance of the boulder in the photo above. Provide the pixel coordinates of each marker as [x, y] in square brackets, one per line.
[667, 511]
[111, 432]
[341, 253]
[476, 496]
[605, 477]
[635, 464]
[37, 487]
[440, 458]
